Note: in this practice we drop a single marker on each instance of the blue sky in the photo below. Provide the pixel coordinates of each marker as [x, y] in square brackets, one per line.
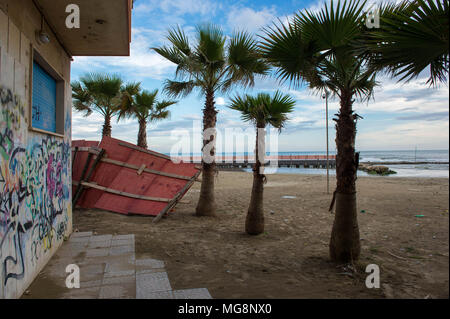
[401, 117]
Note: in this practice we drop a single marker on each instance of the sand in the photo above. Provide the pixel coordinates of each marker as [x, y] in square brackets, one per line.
[290, 260]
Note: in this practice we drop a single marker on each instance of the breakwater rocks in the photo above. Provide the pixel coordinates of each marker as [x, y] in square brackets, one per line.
[376, 169]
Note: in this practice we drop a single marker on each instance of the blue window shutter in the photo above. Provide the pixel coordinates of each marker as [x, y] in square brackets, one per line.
[43, 100]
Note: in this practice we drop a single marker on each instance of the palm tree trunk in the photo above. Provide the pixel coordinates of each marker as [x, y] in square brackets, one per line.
[345, 242]
[207, 204]
[254, 223]
[142, 134]
[107, 125]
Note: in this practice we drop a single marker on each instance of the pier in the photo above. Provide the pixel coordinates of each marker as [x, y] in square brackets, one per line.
[296, 161]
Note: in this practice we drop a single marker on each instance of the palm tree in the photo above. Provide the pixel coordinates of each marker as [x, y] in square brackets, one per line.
[413, 36]
[145, 108]
[261, 110]
[100, 93]
[316, 47]
[210, 65]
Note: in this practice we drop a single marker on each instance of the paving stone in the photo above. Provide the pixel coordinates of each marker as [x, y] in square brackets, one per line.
[119, 280]
[121, 250]
[57, 268]
[160, 295]
[91, 283]
[99, 252]
[109, 269]
[149, 270]
[63, 251]
[122, 242]
[81, 234]
[150, 263]
[122, 291]
[119, 269]
[127, 258]
[82, 293]
[101, 238]
[99, 244]
[198, 293]
[92, 272]
[150, 283]
[78, 257]
[76, 247]
[122, 237]
[78, 240]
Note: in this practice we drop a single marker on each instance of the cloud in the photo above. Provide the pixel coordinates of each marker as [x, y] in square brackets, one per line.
[249, 19]
[142, 62]
[177, 7]
[405, 135]
[437, 116]
[414, 96]
[220, 101]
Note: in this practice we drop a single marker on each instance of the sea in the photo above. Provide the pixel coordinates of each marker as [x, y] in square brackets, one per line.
[386, 157]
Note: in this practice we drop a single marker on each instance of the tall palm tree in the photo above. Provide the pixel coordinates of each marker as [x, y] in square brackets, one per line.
[261, 110]
[210, 65]
[101, 93]
[315, 47]
[145, 108]
[413, 36]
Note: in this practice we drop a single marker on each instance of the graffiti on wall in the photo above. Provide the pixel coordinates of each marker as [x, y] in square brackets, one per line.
[34, 191]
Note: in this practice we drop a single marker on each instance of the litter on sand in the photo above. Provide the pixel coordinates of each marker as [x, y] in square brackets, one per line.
[288, 196]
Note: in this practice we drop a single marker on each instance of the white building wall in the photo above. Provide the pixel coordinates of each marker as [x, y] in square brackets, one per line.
[35, 168]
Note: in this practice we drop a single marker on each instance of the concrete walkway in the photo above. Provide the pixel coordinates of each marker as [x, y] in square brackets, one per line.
[109, 269]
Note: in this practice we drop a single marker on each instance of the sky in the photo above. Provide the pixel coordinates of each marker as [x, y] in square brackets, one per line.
[402, 116]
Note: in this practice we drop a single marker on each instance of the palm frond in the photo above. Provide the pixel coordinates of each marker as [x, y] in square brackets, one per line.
[178, 89]
[285, 48]
[244, 61]
[211, 44]
[172, 54]
[413, 37]
[179, 40]
[81, 98]
[264, 109]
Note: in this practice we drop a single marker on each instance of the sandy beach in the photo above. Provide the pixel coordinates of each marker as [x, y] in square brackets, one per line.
[290, 260]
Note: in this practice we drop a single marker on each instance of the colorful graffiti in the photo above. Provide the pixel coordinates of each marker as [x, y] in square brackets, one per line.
[34, 191]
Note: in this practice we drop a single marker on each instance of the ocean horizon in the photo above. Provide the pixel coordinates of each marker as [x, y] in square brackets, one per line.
[402, 170]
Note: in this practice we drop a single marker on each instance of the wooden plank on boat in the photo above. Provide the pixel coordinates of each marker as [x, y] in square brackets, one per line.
[121, 193]
[91, 171]
[140, 149]
[177, 197]
[137, 168]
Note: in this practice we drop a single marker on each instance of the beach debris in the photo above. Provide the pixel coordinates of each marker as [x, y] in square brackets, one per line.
[420, 216]
[118, 179]
[376, 169]
[272, 212]
[288, 196]
[363, 211]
